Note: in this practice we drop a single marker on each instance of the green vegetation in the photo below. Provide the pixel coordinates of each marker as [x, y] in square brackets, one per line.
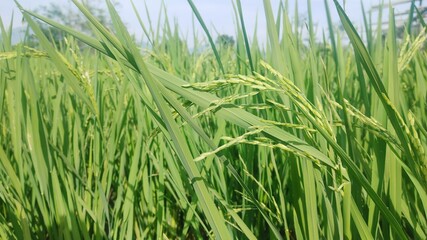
[294, 140]
[71, 17]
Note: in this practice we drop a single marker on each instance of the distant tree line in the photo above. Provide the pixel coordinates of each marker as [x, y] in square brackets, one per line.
[72, 17]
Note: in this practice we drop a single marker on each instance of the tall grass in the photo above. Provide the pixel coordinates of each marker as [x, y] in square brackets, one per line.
[291, 140]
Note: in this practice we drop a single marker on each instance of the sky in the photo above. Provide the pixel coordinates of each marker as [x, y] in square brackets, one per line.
[218, 14]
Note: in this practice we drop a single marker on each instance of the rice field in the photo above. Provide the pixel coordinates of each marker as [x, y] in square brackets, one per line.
[295, 139]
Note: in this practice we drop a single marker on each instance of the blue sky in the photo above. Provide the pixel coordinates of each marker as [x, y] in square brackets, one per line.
[217, 14]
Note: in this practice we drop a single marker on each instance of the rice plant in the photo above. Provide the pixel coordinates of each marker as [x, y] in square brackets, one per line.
[294, 139]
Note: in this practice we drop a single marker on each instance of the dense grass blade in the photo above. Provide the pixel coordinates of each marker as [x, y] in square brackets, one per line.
[208, 35]
[391, 112]
[245, 35]
[303, 138]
